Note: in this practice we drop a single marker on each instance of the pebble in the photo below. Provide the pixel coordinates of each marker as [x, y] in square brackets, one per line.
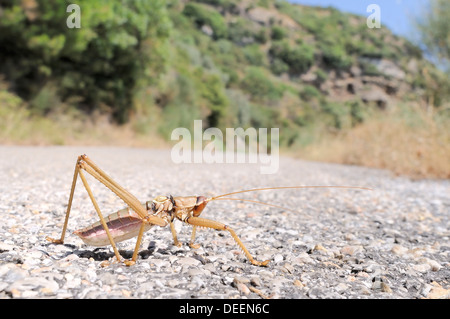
[438, 292]
[385, 288]
[188, 261]
[289, 268]
[298, 283]
[243, 289]
[388, 243]
[302, 258]
[241, 279]
[195, 272]
[351, 250]
[319, 247]
[422, 268]
[434, 265]
[341, 287]
[278, 258]
[255, 281]
[399, 250]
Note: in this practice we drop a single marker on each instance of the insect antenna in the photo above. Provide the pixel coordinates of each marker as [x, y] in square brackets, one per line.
[254, 201]
[224, 196]
[286, 187]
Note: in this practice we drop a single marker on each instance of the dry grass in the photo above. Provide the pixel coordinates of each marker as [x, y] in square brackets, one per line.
[65, 131]
[68, 126]
[407, 141]
[18, 127]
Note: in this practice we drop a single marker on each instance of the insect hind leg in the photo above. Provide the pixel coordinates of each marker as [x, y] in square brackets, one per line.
[100, 215]
[69, 206]
[203, 222]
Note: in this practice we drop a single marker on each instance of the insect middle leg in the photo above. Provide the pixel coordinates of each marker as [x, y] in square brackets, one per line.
[191, 243]
[203, 222]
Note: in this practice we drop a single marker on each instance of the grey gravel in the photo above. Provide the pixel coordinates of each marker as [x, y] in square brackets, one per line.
[392, 242]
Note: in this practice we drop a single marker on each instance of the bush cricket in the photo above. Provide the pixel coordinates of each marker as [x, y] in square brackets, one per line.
[139, 217]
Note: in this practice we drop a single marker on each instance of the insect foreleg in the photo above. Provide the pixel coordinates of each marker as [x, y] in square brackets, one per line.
[203, 222]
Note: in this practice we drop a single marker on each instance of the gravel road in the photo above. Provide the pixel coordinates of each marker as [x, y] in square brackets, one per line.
[392, 242]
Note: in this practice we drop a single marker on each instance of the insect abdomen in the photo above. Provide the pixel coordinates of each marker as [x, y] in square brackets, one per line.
[122, 225]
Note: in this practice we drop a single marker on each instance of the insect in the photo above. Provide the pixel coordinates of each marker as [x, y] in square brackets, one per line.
[138, 217]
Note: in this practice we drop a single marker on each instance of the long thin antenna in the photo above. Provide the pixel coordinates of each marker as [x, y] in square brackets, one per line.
[256, 202]
[287, 187]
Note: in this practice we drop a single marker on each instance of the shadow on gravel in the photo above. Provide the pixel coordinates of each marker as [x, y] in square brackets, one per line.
[104, 253]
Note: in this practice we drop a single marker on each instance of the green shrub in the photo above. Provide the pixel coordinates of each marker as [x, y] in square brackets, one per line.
[211, 2]
[225, 54]
[368, 68]
[261, 36]
[12, 111]
[371, 52]
[179, 106]
[227, 5]
[242, 32]
[46, 100]
[322, 76]
[205, 16]
[358, 112]
[310, 92]
[254, 55]
[413, 50]
[337, 115]
[263, 116]
[278, 33]
[239, 108]
[261, 88]
[278, 67]
[335, 57]
[212, 92]
[299, 58]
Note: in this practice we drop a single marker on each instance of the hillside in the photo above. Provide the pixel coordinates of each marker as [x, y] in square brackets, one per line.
[312, 72]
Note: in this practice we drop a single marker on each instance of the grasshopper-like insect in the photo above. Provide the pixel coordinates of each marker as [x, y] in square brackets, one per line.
[139, 217]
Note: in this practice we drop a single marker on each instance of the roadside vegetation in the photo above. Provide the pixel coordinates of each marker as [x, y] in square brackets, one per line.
[134, 72]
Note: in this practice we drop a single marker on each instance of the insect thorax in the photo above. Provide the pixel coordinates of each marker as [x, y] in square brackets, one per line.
[169, 208]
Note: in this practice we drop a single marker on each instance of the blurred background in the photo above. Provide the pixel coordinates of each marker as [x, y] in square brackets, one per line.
[131, 71]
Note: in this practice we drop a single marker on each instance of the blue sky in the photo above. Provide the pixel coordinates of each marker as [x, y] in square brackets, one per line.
[395, 14]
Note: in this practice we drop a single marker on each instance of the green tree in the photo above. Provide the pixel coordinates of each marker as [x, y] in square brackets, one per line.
[434, 27]
[118, 44]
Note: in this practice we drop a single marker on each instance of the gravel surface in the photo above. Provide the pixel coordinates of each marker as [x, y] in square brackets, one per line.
[392, 242]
